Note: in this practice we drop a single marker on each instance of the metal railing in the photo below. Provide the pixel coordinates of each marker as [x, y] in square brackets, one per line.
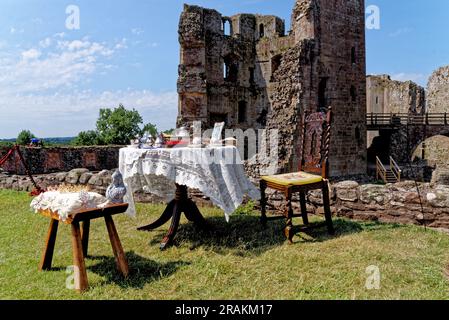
[398, 119]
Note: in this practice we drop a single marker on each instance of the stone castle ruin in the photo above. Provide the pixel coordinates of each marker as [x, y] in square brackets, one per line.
[425, 143]
[246, 71]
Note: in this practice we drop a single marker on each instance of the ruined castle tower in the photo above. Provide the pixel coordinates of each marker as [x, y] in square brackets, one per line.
[246, 71]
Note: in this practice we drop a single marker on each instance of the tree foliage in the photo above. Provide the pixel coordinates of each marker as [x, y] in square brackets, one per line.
[24, 137]
[118, 126]
[115, 126]
[87, 138]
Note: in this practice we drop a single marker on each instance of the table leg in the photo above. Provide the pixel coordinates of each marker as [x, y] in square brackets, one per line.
[174, 209]
[194, 215]
[168, 239]
[47, 255]
[166, 215]
[120, 258]
[81, 282]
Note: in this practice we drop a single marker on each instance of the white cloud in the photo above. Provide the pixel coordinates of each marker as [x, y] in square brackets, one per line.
[59, 35]
[31, 54]
[70, 113]
[38, 89]
[400, 31]
[45, 43]
[13, 30]
[415, 77]
[122, 44]
[65, 64]
[137, 31]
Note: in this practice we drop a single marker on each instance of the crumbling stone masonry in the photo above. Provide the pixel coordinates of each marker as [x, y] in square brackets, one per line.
[57, 159]
[438, 91]
[257, 76]
[384, 95]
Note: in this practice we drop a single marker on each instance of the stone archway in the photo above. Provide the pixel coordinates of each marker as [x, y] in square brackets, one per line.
[434, 149]
[405, 142]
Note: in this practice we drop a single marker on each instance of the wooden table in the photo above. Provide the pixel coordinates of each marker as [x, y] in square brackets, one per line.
[181, 204]
[80, 240]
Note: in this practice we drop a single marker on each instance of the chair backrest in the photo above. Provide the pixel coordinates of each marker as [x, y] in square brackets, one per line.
[316, 143]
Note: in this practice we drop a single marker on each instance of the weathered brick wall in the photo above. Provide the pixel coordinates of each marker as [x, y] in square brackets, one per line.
[57, 159]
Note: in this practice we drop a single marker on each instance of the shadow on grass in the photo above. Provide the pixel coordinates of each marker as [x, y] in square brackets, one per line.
[142, 270]
[245, 235]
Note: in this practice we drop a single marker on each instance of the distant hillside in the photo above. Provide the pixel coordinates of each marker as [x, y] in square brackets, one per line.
[47, 141]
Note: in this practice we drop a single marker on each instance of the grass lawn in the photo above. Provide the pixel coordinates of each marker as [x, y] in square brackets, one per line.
[239, 260]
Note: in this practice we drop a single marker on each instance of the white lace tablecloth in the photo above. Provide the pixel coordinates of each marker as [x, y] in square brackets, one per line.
[217, 172]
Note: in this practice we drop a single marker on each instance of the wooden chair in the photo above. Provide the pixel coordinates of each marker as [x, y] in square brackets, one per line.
[80, 239]
[312, 175]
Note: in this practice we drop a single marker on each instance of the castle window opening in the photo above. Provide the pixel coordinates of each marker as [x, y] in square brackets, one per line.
[242, 112]
[353, 94]
[261, 31]
[322, 100]
[230, 69]
[218, 117]
[275, 64]
[251, 75]
[227, 28]
[353, 56]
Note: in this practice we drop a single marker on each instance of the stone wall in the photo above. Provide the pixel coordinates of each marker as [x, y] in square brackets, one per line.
[57, 159]
[97, 181]
[438, 91]
[389, 96]
[384, 95]
[392, 203]
[259, 77]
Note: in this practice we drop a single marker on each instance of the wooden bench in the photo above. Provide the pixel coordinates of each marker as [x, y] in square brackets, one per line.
[80, 240]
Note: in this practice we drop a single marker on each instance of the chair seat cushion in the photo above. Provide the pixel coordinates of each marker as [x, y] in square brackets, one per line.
[293, 179]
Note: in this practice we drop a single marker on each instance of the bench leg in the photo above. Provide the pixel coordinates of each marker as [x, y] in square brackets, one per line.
[85, 236]
[47, 255]
[302, 197]
[120, 258]
[81, 283]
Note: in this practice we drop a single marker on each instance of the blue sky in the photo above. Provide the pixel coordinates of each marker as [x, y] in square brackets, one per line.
[54, 80]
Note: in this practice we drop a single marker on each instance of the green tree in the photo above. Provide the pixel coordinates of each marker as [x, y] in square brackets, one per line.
[87, 138]
[118, 126]
[150, 128]
[170, 131]
[24, 137]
